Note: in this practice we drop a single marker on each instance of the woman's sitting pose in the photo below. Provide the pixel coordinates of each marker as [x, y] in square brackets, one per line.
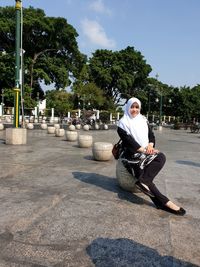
[140, 155]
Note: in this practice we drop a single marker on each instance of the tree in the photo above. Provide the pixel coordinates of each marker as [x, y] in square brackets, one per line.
[119, 74]
[60, 100]
[50, 46]
[90, 96]
[195, 99]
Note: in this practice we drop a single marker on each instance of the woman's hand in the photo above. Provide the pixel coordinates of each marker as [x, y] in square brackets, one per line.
[150, 149]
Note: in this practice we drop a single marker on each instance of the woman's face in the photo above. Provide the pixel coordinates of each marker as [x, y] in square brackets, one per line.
[134, 109]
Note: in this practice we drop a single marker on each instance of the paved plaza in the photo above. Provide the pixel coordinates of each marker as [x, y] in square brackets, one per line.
[61, 208]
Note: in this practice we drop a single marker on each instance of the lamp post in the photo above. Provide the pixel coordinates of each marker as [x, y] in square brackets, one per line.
[2, 101]
[160, 109]
[17, 63]
[38, 105]
[149, 100]
[161, 104]
[16, 135]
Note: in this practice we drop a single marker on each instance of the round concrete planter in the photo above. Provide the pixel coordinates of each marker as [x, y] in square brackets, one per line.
[57, 126]
[78, 126]
[1, 126]
[30, 126]
[71, 136]
[43, 126]
[32, 119]
[72, 127]
[96, 127]
[8, 119]
[59, 132]
[125, 179]
[85, 140]
[86, 127]
[51, 130]
[102, 151]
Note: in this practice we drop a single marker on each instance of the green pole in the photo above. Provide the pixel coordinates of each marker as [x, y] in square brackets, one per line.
[17, 63]
[161, 100]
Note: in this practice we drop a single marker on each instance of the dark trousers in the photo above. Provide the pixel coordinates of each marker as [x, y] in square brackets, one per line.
[147, 175]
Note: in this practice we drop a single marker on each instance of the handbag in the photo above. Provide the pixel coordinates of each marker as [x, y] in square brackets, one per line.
[117, 149]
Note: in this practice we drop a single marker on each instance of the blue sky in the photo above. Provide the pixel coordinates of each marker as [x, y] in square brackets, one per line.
[166, 32]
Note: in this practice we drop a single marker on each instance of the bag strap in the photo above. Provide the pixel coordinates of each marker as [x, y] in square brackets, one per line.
[120, 140]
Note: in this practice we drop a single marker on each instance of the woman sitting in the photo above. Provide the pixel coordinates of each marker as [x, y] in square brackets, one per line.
[141, 156]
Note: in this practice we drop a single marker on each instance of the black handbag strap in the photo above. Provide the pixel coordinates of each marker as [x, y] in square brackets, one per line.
[120, 140]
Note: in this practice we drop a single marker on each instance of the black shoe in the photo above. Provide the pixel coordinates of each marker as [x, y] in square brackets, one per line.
[144, 189]
[179, 212]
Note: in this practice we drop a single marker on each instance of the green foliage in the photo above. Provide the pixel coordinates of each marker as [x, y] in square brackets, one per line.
[195, 99]
[60, 100]
[120, 74]
[104, 116]
[8, 97]
[89, 96]
[51, 50]
[29, 102]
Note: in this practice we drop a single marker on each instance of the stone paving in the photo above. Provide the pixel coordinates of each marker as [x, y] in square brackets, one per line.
[60, 207]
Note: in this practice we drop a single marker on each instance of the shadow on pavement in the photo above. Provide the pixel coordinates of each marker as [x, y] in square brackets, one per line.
[183, 141]
[109, 184]
[190, 163]
[122, 252]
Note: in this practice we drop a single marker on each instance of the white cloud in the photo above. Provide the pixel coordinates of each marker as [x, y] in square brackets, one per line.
[96, 34]
[99, 7]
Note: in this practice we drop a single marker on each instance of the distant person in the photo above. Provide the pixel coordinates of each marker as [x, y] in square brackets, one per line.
[143, 159]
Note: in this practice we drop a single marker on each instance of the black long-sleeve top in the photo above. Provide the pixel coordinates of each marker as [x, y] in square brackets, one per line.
[130, 143]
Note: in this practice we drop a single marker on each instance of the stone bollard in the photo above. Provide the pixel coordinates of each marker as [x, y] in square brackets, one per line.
[30, 126]
[1, 126]
[16, 136]
[78, 126]
[85, 140]
[59, 132]
[72, 127]
[57, 126]
[43, 126]
[105, 127]
[31, 119]
[125, 179]
[102, 151]
[8, 119]
[51, 130]
[86, 127]
[96, 126]
[71, 136]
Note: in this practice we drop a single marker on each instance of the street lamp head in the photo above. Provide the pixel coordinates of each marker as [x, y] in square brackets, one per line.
[157, 100]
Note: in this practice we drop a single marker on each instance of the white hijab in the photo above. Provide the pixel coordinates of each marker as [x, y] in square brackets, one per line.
[135, 126]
